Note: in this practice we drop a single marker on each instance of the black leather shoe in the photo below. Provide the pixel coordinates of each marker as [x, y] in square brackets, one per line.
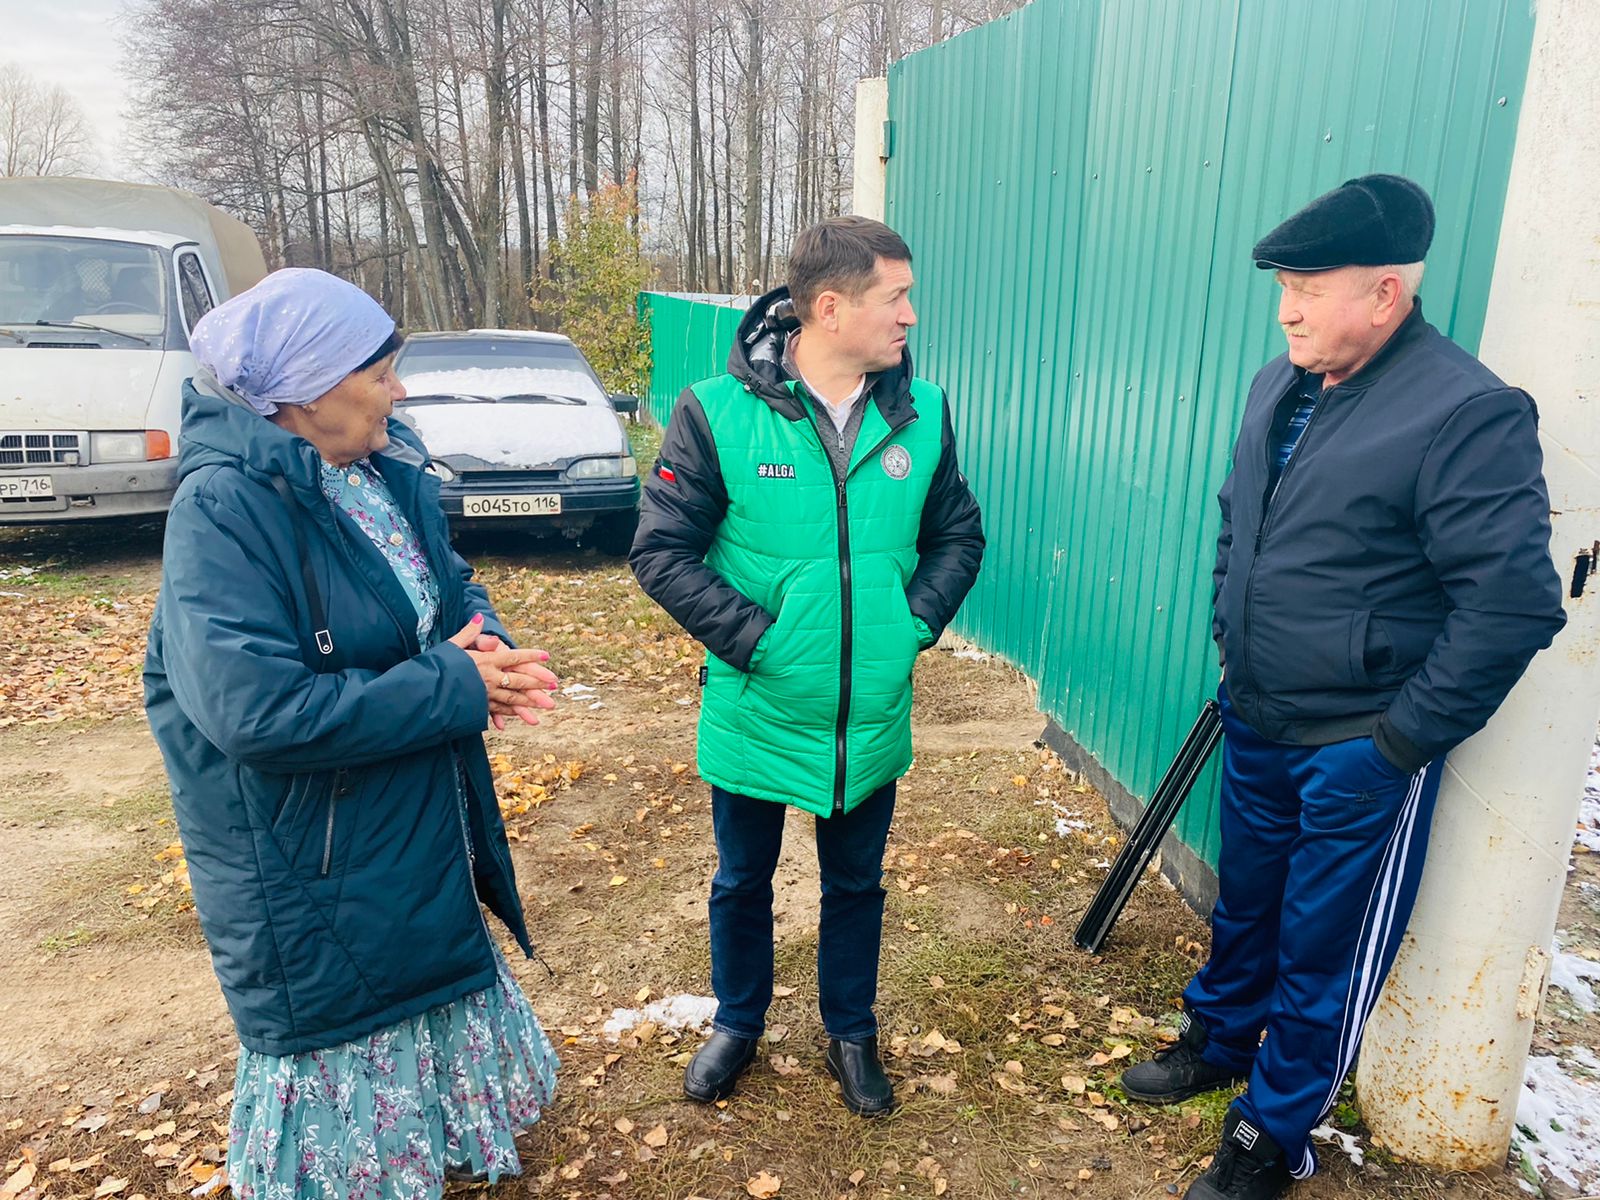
[713, 1073]
[866, 1089]
[1178, 1071]
[1248, 1165]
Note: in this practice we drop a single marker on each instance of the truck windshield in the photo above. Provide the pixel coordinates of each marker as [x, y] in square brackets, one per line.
[81, 290]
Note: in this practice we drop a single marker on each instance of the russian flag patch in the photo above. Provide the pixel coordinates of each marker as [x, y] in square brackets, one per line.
[667, 473]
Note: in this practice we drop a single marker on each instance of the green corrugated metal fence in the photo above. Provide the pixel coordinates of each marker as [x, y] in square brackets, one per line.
[1081, 183]
[689, 341]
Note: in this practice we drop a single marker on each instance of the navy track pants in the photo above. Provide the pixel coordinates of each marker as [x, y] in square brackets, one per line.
[1322, 850]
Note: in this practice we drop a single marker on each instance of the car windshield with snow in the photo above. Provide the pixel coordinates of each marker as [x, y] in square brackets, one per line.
[522, 434]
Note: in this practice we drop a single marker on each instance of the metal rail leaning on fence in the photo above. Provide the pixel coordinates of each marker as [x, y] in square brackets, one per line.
[1152, 826]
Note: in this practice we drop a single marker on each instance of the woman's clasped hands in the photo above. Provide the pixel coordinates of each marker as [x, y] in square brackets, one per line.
[515, 685]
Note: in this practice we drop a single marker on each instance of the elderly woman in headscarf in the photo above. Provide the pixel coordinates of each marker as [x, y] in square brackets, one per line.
[320, 672]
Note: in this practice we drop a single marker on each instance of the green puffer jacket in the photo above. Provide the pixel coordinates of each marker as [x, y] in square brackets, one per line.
[812, 599]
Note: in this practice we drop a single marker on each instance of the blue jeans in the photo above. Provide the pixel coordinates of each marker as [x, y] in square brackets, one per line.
[850, 847]
[1322, 850]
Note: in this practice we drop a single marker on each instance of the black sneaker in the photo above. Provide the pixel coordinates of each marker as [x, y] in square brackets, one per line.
[1248, 1165]
[1177, 1072]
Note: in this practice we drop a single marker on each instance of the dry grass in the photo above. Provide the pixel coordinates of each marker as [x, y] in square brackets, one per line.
[1005, 1040]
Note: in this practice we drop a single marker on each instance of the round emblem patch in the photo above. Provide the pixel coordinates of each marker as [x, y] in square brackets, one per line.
[896, 462]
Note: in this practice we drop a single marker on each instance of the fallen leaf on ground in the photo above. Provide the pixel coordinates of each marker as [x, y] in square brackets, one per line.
[762, 1185]
[21, 1179]
[623, 1126]
[109, 1186]
[657, 1137]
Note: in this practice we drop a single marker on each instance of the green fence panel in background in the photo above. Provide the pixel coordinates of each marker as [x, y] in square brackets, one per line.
[689, 341]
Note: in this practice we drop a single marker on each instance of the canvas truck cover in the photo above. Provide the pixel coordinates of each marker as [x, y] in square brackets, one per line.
[228, 244]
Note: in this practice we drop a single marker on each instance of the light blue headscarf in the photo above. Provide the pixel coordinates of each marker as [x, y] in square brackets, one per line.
[290, 338]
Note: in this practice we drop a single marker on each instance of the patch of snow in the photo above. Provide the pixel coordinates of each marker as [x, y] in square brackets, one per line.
[1558, 1124]
[1066, 820]
[1349, 1143]
[495, 382]
[1583, 1057]
[577, 689]
[1573, 973]
[214, 1184]
[1589, 809]
[515, 434]
[973, 655]
[680, 1012]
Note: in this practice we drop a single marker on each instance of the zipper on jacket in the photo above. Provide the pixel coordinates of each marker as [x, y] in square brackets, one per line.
[458, 770]
[846, 613]
[338, 789]
[1266, 519]
[846, 606]
[846, 650]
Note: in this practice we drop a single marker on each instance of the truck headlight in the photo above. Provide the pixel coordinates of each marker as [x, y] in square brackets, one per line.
[144, 445]
[618, 467]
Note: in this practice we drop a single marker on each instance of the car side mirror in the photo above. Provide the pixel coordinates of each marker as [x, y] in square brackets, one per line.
[627, 405]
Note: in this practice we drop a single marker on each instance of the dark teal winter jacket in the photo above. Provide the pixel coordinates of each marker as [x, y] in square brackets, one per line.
[316, 794]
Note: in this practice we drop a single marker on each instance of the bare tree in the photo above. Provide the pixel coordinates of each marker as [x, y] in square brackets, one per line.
[432, 149]
[42, 129]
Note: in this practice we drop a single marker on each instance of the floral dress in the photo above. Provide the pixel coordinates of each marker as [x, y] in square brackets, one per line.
[382, 1117]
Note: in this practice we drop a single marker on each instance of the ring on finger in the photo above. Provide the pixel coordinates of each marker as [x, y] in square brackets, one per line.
[505, 681]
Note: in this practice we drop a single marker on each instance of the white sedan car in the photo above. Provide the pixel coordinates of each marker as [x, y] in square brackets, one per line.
[522, 434]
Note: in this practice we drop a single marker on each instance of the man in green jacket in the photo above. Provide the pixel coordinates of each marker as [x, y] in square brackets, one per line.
[807, 521]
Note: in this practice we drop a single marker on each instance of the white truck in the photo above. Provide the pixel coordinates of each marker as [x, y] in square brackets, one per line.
[100, 285]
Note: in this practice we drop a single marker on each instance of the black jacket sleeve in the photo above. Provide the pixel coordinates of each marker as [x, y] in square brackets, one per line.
[1484, 517]
[949, 541]
[684, 501]
[1219, 572]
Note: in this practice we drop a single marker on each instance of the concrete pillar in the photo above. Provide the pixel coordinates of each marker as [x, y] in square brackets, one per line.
[1445, 1050]
[872, 163]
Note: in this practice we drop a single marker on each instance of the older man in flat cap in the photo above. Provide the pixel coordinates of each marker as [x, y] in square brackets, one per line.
[1382, 580]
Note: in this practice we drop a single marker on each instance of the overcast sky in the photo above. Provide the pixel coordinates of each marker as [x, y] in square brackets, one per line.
[74, 43]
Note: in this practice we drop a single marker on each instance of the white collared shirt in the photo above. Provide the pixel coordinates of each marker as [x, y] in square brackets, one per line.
[838, 413]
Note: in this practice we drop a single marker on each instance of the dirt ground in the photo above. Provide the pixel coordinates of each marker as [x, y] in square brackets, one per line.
[116, 1051]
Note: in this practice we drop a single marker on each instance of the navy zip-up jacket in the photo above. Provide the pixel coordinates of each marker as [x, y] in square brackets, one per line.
[316, 796]
[1397, 580]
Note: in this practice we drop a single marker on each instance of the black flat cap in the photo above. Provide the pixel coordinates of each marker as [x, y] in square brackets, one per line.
[1373, 221]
